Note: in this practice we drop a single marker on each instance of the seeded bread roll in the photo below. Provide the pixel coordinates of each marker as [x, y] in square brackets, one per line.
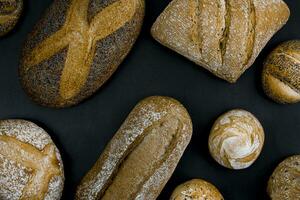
[281, 73]
[10, 12]
[236, 139]
[68, 58]
[284, 184]
[196, 189]
[30, 164]
[223, 36]
[141, 157]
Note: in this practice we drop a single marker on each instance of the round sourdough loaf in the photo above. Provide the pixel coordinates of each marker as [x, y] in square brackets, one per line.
[68, 58]
[284, 184]
[196, 189]
[30, 164]
[142, 155]
[236, 139]
[281, 73]
[10, 12]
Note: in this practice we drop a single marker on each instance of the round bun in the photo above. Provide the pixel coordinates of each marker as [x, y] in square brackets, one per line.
[10, 12]
[30, 164]
[196, 189]
[284, 184]
[236, 139]
[281, 73]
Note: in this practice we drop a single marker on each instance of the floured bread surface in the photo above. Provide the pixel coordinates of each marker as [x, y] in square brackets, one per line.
[30, 164]
[196, 189]
[223, 36]
[284, 184]
[10, 11]
[236, 139]
[281, 73]
[142, 155]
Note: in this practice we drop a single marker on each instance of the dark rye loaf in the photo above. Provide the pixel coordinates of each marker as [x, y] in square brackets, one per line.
[10, 11]
[76, 46]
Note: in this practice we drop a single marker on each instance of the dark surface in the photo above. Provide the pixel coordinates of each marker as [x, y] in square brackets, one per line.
[81, 132]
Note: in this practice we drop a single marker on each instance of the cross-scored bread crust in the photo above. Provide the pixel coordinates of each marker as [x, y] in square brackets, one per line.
[223, 36]
[30, 164]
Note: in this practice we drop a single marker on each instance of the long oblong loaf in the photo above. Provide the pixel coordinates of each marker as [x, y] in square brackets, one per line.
[223, 36]
[10, 12]
[141, 157]
[76, 46]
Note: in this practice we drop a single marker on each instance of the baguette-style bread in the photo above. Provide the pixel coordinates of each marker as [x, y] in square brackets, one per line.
[223, 36]
[10, 12]
[281, 73]
[196, 189]
[284, 184]
[236, 139]
[141, 157]
[30, 164]
[76, 47]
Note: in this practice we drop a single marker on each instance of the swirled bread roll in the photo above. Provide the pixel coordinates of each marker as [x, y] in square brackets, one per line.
[223, 36]
[10, 12]
[236, 139]
[196, 189]
[30, 164]
[284, 184]
[281, 73]
[141, 157]
[68, 58]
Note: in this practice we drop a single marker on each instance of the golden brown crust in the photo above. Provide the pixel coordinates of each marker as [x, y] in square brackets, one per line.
[196, 189]
[223, 36]
[129, 167]
[280, 77]
[30, 164]
[79, 42]
[10, 12]
[284, 184]
[236, 139]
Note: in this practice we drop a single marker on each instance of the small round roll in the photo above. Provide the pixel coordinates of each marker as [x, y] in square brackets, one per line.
[284, 184]
[236, 139]
[196, 189]
[281, 73]
[10, 12]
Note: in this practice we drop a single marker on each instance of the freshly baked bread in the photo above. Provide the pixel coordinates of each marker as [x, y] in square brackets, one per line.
[236, 139]
[281, 73]
[196, 189]
[223, 36]
[30, 164]
[67, 58]
[141, 157]
[10, 11]
[284, 184]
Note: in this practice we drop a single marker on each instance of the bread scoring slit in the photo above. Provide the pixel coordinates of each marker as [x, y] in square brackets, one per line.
[156, 144]
[9, 10]
[224, 38]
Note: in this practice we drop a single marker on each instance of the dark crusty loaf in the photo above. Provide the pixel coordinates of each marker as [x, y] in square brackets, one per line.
[76, 47]
[30, 164]
[223, 36]
[141, 157]
[10, 11]
[281, 73]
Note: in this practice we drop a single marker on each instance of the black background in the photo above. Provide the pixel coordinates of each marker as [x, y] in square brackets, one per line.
[81, 132]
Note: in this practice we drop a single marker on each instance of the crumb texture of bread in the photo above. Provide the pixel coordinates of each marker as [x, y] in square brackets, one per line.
[223, 36]
[196, 189]
[68, 61]
[236, 139]
[284, 184]
[142, 155]
[10, 12]
[30, 163]
[281, 73]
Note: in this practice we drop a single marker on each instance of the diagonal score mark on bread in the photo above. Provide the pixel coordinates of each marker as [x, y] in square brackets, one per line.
[8, 11]
[81, 37]
[43, 165]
